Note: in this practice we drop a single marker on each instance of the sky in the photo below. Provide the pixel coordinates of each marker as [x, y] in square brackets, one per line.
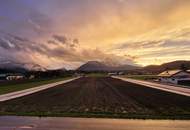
[68, 33]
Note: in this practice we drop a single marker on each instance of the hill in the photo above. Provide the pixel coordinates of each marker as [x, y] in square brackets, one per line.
[182, 64]
[91, 66]
[14, 67]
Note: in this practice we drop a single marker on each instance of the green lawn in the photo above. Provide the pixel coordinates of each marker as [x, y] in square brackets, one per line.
[25, 84]
[141, 77]
[97, 75]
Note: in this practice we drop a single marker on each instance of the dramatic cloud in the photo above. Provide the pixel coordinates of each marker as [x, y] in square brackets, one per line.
[62, 51]
[160, 45]
[57, 33]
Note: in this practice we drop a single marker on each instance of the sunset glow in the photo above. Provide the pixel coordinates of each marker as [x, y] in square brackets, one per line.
[67, 33]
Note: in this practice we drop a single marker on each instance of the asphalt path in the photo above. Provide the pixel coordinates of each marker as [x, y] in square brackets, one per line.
[168, 88]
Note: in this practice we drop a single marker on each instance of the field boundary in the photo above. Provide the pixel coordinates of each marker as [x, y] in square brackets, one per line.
[21, 93]
[168, 88]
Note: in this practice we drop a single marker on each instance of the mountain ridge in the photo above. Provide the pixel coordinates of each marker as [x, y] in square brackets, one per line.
[100, 66]
[179, 64]
[20, 67]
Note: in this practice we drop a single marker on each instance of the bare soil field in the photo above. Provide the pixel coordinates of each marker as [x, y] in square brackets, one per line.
[100, 97]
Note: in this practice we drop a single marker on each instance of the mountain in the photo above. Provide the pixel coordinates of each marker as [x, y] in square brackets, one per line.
[93, 66]
[126, 67]
[11, 66]
[33, 67]
[154, 69]
[100, 66]
[167, 66]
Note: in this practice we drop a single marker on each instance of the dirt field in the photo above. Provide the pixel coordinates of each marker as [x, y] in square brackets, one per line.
[101, 97]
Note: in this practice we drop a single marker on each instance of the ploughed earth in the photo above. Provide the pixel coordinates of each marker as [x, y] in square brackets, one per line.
[101, 97]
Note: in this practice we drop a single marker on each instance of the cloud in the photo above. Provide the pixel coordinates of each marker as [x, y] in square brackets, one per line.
[160, 45]
[61, 39]
[67, 51]
[69, 32]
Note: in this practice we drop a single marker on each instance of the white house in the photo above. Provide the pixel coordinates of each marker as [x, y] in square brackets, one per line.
[15, 77]
[175, 76]
[11, 76]
[112, 74]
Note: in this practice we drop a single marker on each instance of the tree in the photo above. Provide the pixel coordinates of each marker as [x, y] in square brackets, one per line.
[183, 67]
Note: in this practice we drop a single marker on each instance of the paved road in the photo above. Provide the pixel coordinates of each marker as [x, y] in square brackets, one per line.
[168, 88]
[35, 123]
[25, 92]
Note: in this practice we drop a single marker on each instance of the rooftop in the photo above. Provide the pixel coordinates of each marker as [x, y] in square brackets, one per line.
[169, 73]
